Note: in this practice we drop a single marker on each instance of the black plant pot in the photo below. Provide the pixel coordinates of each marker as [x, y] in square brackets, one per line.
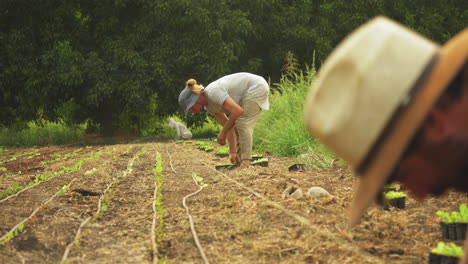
[256, 157]
[222, 155]
[226, 167]
[396, 202]
[441, 259]
[297, 167]
[454, 231]
[261, 164]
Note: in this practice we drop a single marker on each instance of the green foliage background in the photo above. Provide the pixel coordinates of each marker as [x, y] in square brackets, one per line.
[119, 65]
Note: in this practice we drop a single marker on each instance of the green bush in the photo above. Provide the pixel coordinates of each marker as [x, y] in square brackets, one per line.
[41, 135]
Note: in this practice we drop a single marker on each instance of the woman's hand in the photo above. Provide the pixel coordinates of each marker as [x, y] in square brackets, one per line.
[234, 158]
[221, 138]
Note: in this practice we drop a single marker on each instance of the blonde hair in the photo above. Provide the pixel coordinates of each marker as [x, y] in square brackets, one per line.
[194, 87]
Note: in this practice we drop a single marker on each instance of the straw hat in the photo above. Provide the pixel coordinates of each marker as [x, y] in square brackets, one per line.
[371, 95]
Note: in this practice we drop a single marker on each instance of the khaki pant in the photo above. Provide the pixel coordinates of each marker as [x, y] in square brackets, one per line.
[244, 126]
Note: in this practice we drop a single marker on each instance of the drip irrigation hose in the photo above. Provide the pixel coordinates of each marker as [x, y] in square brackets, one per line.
[192, 225]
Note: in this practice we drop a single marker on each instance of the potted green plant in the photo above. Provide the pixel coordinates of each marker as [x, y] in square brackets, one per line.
[453, 225]
[226, 166]
[445, 254]
[394, 199]
[260, 162]
[256, 157]
[223, 152]
[393, 186]
[297, 167]
[208, 148]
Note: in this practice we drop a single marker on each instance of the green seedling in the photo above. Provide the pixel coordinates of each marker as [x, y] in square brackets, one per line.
[223, 150]
[208, 148]
[450, 250]
[455, 217]
[10, 235]
[63, 190]
[199, 180]
[394, 195]
[259, 161]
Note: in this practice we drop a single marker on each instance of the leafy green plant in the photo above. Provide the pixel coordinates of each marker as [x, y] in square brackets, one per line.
[223, 150]
[450, 249]
[394, 195]
[454, 217]
[208, 148]
[225, 164]
[10, 235]
[199, 180]
[63, 190]
[259, 161]
[159, 199]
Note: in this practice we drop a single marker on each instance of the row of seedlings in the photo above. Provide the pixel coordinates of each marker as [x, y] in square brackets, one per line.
[104, 202]
[19, 227]
[453, 226]
[199, 182]
[18, 188]
[93, 171]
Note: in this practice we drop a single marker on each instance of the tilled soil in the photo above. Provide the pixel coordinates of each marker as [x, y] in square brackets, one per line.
[109, 214]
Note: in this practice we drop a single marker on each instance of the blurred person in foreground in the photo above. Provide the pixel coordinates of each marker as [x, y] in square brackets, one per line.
[241, 96]
[394, 106]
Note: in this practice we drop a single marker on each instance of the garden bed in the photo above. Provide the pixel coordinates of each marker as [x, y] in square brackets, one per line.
[271, 230]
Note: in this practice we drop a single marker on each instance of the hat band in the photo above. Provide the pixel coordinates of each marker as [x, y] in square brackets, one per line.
[397, 114]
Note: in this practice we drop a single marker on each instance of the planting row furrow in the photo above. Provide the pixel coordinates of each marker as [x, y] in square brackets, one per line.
[14, 156]
[18, 228]
[157, 232]
[53, 225]
[198, 181]
[20, 187]
[180, 185]
[119, 228]
[21, 169]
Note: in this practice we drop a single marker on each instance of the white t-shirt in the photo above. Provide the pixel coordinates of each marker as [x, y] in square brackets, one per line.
[240, 87]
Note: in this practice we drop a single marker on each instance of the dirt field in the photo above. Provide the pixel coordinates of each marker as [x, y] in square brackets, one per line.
[116, 207]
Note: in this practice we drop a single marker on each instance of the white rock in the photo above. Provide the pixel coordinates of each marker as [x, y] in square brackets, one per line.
[317, 191]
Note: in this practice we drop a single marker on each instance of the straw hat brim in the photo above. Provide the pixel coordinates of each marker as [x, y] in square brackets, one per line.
[450, 59]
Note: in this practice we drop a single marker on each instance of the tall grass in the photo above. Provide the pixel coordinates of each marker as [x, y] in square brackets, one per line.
[281, 130]
[34, 135]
